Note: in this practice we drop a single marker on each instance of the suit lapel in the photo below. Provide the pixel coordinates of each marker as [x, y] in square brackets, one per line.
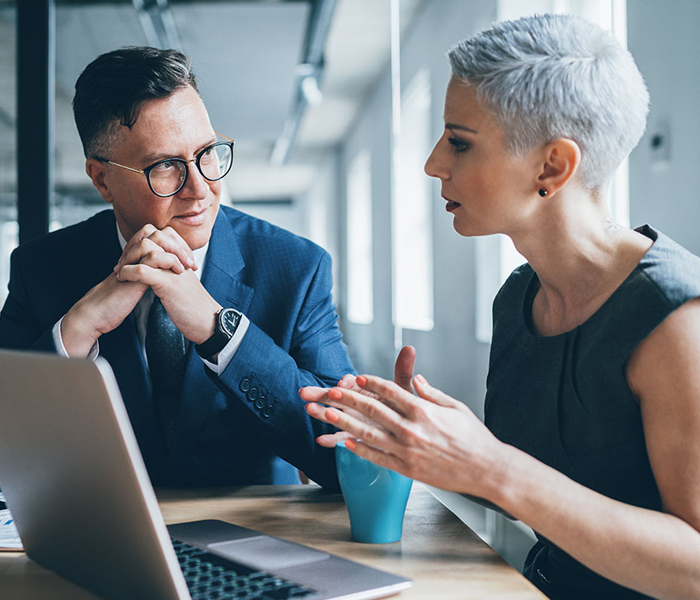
[223, 264]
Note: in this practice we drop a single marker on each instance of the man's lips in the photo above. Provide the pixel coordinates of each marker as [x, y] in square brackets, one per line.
[193, 216]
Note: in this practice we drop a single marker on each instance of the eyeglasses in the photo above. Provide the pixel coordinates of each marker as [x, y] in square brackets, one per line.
[168, 176]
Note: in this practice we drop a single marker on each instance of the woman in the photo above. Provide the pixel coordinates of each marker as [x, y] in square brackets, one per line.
[592, 403]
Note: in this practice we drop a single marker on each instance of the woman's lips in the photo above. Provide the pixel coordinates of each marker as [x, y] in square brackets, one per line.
[450, 206]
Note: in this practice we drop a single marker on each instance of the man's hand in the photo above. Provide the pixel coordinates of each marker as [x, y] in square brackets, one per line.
[162, 260]
[99, 311]
[162, 247]
[157, 258]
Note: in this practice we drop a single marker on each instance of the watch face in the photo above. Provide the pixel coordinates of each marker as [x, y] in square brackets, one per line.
[229, 321]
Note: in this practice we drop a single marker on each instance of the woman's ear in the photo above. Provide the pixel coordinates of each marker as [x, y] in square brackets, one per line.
[97, 172]
[561, 161]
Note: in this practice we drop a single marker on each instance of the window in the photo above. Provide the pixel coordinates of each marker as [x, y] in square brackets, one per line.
[359, 240]
[412, 212]
[9, 238]
[502, 257]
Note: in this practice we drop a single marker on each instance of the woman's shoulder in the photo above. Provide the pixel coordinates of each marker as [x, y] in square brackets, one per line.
[668, 270]
[665, 279]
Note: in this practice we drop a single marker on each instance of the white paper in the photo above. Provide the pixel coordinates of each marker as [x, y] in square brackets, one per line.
[9, 538]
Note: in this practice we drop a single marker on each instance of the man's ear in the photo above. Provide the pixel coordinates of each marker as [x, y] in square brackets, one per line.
[562, 158]
[97, 172]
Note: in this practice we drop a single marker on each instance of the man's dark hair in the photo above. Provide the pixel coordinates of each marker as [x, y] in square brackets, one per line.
[113, 87]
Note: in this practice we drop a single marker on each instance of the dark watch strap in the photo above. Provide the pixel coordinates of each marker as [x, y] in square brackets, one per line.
[227, 321]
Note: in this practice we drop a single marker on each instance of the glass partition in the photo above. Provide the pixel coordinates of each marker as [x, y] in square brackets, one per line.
[8, 141]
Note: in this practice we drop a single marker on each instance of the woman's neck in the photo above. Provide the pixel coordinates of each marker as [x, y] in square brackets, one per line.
[580, 256]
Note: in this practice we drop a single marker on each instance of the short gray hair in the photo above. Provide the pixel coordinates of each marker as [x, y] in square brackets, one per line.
[551, 76]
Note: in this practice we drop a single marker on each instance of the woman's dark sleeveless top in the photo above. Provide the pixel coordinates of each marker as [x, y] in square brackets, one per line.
[565, 399]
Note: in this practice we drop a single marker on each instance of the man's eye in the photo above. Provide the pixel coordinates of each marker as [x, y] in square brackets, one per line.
[207, 155]
[165, 166]
[459, 145]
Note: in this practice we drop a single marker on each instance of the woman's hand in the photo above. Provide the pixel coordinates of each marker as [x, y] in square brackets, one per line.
[403, 373]
[431, 438]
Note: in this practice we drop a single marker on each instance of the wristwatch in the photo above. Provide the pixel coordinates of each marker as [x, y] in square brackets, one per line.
[227, 320]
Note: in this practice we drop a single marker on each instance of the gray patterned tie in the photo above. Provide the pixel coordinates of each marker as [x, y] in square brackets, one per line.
[166, 353]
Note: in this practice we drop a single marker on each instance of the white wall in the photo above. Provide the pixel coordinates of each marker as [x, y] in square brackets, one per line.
[320, 206]
[665, 183]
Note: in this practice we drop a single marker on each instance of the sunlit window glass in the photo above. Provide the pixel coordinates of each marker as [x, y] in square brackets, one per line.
[412, 212]
[359, 237]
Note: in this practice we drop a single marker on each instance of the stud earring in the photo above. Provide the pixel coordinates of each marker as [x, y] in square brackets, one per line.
[542, 192]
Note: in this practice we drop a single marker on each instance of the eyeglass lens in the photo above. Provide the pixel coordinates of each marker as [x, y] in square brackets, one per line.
[168, 176]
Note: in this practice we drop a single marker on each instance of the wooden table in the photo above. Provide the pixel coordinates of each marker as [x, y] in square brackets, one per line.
[443, 556]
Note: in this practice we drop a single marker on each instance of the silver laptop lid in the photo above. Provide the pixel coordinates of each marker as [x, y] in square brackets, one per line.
[52, 409]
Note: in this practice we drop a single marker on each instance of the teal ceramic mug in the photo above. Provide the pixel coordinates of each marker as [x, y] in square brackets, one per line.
[375, 497]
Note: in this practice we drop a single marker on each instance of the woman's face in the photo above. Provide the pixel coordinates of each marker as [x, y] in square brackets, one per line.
[487, 189]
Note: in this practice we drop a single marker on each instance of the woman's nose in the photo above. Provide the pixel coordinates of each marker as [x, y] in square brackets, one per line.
[435, 165]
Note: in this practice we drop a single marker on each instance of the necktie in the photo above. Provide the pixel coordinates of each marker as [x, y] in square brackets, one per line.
[165, 350]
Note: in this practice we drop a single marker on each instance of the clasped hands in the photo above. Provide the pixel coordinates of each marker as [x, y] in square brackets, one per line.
[429, 437]
[159, 259]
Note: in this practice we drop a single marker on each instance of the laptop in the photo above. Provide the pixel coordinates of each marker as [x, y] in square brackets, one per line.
[77, 487]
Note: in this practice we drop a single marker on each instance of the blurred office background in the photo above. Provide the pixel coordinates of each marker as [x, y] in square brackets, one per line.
[334, 106]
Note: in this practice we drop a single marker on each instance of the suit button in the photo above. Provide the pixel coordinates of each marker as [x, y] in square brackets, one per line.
[253, 394]
[267, 411]
[244, 386]
[260, 402]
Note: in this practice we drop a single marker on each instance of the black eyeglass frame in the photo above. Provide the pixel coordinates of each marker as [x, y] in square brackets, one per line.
[196, 160]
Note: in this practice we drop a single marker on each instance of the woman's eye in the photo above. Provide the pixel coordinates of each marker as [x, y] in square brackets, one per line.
[459, 145]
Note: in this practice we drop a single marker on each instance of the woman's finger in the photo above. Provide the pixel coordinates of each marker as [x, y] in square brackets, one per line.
[391, 394]
[377, 456]
[375, 410]
[364, 418]
[403, 368]
[312, 393]
[347, 382]
[317, 411]
[434, 395]
[330, 440]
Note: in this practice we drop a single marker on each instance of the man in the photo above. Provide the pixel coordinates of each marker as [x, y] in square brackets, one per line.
[252, 301]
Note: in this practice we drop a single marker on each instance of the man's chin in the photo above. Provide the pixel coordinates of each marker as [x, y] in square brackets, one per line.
[195, 237]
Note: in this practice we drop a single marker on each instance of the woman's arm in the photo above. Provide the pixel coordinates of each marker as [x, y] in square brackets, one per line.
[436, 439]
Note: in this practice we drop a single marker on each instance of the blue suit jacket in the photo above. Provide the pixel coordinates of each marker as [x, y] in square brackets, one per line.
[234, 428]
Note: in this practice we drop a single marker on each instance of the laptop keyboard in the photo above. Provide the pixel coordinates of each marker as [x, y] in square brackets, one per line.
[211, 577]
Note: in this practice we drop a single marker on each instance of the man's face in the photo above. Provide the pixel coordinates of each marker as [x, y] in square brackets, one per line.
[176, 127]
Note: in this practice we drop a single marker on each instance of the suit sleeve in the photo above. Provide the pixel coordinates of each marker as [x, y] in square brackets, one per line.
[21, 327]
[265, 379]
